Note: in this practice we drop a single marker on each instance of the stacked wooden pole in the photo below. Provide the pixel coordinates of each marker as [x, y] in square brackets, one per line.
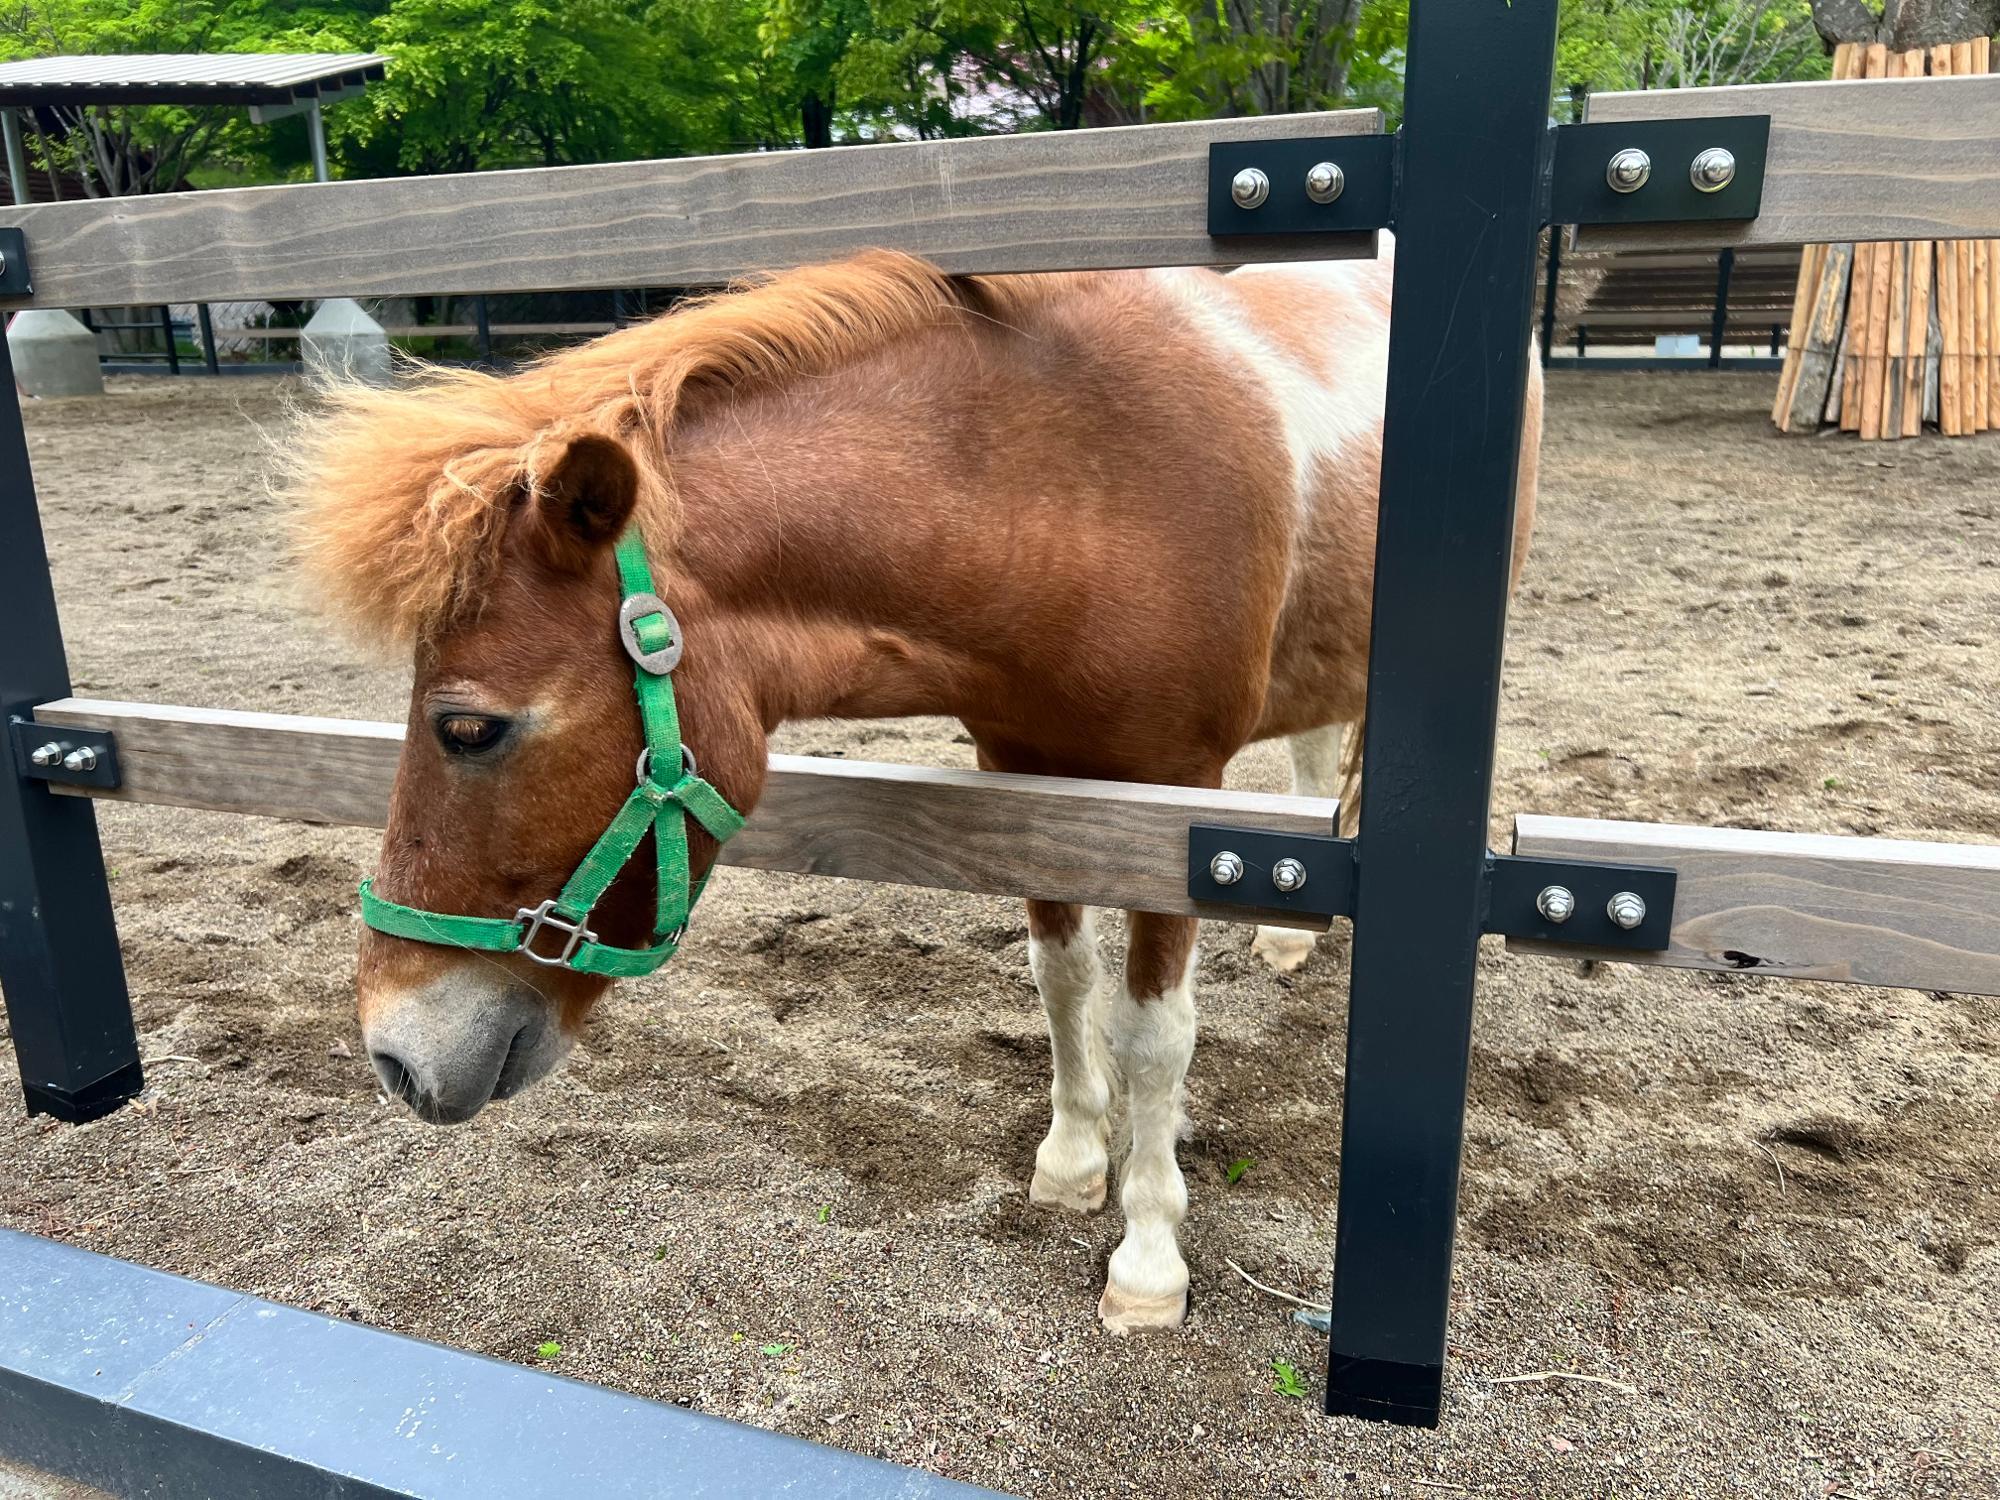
[1889, 337]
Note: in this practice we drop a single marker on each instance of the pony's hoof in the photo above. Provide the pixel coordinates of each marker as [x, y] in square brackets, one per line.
[1283, 948]
[1122, 1313]
[1081, 1197]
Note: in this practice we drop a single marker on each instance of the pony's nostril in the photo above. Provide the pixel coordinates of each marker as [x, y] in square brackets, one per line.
[397, 1080]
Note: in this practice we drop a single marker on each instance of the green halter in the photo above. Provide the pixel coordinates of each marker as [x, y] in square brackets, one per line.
[652, 639]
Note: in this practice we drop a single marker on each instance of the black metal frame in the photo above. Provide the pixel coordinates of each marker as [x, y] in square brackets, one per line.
[1478, 172]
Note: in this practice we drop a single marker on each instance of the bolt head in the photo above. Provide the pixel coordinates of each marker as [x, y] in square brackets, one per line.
[1226, 868]
[1324, 182]
[1288, 875]
[46, 755]
[1628, 170]
[1713, 170]
[1249, 188]
[1626, 910]
[1556, 903]
[83, 758]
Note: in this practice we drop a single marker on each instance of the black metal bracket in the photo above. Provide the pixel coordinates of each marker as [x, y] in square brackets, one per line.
[1367, 197]
[71, 757]
[14, 264]
[1328, 889]
[1514, 885]
[1580, 190]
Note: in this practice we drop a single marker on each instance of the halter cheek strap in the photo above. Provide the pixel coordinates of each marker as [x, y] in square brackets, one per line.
[652, 639]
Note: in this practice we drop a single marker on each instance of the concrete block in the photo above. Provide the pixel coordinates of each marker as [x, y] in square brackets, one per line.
[54, 354]
[342, 342]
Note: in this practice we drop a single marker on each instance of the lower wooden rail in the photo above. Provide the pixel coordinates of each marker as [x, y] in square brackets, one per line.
[1803, 905]
[1099, 843]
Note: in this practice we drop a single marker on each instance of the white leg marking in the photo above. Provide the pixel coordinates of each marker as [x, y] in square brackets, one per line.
[1152, 1042]
[1070, 1164]
[1315, 773]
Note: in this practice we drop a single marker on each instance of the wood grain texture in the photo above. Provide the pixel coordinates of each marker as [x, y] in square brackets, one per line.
[1100, 843]
[1041, 202]
[1804, 906]
[1862, 159]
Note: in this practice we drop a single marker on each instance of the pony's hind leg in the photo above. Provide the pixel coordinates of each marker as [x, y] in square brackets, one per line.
[1071, 1163]
[1318, 770]
[1152, 1041]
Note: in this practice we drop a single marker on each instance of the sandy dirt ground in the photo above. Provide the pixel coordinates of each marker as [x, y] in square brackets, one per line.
[785, 1181]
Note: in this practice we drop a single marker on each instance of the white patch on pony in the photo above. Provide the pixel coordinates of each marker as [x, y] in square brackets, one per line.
[1319, 419]
[1071, 1163]
[1152, 1041]
[1315, 773]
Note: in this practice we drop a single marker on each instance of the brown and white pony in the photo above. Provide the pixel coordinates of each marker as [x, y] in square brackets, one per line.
[1119, 524]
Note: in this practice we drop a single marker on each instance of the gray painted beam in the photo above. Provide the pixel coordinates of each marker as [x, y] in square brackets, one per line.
[149, 1385]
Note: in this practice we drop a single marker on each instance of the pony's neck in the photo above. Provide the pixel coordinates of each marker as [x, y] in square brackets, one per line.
[826, 532]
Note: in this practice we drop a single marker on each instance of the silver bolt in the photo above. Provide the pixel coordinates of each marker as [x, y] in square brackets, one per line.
[1626, 909]
[1249, 188]
[1226, 868]
[1629, 170]
[1288, 875]
[1324, 182]
[1713, 170]
[1555, 903]
[82, 758]
[46, 755]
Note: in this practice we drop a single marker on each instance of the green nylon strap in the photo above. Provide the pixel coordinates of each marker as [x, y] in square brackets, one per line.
[654, 806]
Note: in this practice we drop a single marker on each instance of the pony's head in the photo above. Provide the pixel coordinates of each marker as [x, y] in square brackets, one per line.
[472, 520]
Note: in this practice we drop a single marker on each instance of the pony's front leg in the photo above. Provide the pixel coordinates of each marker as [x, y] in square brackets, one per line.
[1071, 1163]
[1152, 1040]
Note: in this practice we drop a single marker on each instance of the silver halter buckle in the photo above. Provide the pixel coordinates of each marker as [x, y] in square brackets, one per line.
[635, 608]
[538, 917]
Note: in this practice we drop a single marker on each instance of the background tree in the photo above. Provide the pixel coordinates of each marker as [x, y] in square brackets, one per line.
[1904, 24]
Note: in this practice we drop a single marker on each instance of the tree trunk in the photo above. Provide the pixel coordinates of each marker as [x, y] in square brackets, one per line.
[816, 119]
[1906, 24]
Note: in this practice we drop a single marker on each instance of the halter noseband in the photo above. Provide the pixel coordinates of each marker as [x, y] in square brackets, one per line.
[652, 639]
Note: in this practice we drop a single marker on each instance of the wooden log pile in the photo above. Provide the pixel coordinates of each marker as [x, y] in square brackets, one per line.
[1893, 337]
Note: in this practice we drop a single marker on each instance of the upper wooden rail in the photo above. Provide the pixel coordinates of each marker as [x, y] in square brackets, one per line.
[1098, 843]
[1055, 201]
[1801, 905]
[1862, 159]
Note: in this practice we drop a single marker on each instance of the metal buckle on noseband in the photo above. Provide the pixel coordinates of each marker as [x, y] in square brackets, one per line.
[636, 608]
[538, 917]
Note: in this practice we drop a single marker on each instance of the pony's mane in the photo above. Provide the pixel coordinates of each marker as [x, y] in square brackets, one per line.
[404, 493]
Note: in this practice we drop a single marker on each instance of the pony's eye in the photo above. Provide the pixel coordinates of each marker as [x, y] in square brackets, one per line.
[469, 734]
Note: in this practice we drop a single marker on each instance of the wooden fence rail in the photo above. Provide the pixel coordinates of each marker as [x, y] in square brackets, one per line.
[1072, 200]
[1868, 159]
[1803, 906]
[1100, 843]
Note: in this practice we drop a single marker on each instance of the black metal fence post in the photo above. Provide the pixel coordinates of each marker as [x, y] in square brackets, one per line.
[206, 322]
[483, 322]
[60, 970]
[1718, 328]
[173, 344]
[1551, 290]
[1472, 195]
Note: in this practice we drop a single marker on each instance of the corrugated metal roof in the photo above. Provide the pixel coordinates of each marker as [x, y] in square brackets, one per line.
[185, 77]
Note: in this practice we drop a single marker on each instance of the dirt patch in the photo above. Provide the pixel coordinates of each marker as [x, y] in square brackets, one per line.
[1771, 1208]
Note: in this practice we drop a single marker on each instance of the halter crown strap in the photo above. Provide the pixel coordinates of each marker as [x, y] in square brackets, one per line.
[652, 639]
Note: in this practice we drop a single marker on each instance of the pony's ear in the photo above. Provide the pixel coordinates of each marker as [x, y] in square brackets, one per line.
[583, 502]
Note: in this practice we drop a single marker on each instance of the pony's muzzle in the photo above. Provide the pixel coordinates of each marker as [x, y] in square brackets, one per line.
[449, 1046]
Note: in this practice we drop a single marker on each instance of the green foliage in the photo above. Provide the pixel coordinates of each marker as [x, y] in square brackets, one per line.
[548, 1349]
[480, 84]
[1286, 1380]
[1237, 1168]
[774, 1351]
